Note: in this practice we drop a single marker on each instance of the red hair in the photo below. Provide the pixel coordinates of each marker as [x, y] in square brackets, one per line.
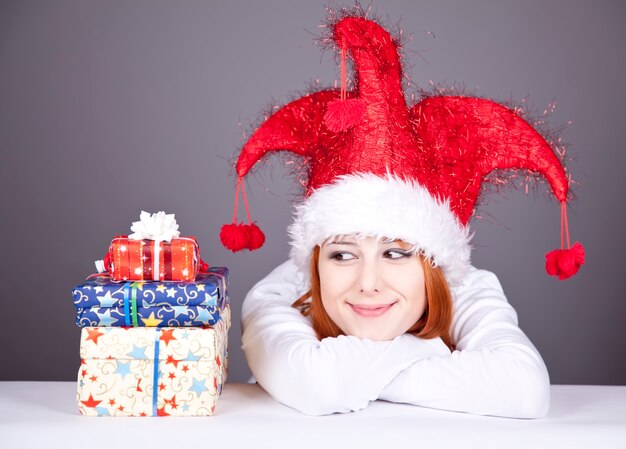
[434, 323]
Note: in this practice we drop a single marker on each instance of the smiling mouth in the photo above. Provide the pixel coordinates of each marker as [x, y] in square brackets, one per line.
[371, 310]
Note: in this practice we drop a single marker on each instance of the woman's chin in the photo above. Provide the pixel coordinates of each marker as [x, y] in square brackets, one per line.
[375, 334]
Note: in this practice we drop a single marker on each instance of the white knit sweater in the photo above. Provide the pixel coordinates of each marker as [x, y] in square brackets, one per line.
[495, 369]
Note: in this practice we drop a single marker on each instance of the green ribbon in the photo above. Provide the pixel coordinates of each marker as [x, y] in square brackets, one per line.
[133, 303]
[130, 310]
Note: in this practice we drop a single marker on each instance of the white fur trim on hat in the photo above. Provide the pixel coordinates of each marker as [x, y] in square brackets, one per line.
[366, 204]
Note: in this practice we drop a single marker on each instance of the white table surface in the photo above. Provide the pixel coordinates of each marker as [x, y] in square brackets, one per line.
[44, 415]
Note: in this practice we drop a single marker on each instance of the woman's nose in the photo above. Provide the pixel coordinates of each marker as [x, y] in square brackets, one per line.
[370, 279]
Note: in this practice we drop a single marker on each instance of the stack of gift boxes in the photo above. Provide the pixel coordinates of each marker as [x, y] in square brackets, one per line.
[154, 327]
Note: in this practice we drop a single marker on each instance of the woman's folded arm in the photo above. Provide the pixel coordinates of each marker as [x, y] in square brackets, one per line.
[495, 370]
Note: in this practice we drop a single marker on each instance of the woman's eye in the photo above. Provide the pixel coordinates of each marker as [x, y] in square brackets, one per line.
[396, 254]
[342, 255]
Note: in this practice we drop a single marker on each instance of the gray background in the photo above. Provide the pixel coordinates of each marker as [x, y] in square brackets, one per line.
[110, 107]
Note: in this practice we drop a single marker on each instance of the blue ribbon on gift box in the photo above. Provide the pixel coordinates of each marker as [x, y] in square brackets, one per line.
[155, 374]
[126, 305]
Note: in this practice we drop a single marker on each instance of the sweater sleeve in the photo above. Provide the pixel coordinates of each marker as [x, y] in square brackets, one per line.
[340, 374]
[495, 369]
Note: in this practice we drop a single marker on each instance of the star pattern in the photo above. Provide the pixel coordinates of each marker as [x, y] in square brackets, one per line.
[192, 357]
[149, 315]
[93, 334]
[171, 402]
[102, 411]
[123, 369]
[172, 360]
[204, 315]
[199, 385]
[105, 318]
[151, 321]
[107, 300]
[91, 402]
[210, 299]
[167, 336]
[180, 310]
[138, 352]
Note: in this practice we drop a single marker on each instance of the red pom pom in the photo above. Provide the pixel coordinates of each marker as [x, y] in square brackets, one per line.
[565, 263]
[255, 237]
[342, 114]
[233, 236]
[236, 237]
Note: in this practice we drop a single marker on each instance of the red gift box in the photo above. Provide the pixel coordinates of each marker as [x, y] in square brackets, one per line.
[150, 260]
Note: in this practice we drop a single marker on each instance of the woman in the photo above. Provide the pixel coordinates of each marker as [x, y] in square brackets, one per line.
[493, 370]
[376, 173]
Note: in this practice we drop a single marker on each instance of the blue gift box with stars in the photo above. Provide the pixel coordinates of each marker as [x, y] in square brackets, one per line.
[101, 302]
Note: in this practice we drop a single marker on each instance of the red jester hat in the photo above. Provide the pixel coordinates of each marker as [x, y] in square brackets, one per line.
[376, 166]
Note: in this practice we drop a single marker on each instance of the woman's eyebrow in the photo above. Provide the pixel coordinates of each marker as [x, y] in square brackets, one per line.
[341, 242]
[401, 243]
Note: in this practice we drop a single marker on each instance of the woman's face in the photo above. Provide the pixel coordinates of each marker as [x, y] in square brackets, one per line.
[370, 288]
